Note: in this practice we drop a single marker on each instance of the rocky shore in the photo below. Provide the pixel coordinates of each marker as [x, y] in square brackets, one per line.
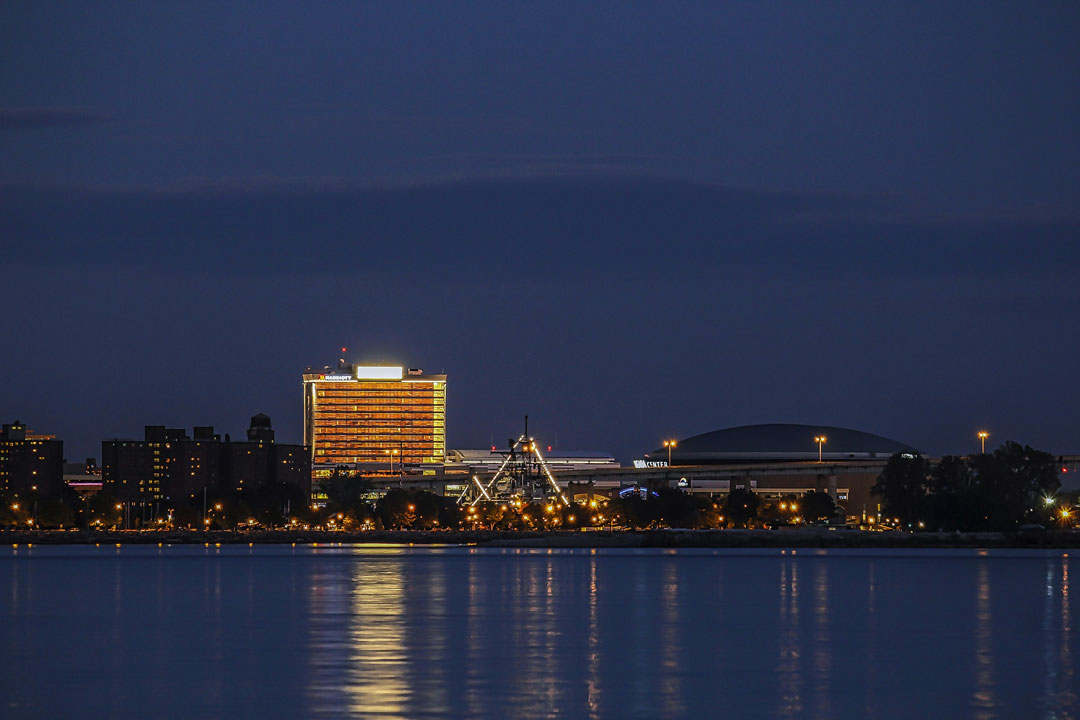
[778, 538]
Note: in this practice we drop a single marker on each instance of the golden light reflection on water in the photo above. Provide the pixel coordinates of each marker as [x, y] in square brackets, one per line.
[593, 687]
[473, 648]
[375, 681]
[535, 634]
[1067, 685]
[358, 655]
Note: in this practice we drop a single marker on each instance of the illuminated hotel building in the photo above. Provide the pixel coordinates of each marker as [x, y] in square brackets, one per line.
[374, 419]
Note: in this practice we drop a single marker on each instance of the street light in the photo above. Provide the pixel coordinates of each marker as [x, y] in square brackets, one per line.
[820, 440]
[669, 444]
[982, 435]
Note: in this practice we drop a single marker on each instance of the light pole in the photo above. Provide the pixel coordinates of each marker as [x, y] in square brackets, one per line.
[669, 444]
[982, 435]
[820, 440]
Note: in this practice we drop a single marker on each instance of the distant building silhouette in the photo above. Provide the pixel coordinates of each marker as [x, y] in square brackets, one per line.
[167, 464]
[30, 463]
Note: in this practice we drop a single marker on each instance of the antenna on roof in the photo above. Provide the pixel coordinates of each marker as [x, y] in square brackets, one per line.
[341, 361]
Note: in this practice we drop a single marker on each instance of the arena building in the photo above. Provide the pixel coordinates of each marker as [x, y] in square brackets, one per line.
[773, 460]
[775, 443]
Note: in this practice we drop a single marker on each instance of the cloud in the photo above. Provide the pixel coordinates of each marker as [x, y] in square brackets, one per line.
[535, 222]
[24, 118]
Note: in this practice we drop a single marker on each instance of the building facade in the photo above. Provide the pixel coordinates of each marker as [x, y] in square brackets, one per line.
[374, 419]
[30, 463]
[168, 464]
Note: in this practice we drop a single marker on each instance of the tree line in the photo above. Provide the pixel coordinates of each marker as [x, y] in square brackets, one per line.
[1011, 486]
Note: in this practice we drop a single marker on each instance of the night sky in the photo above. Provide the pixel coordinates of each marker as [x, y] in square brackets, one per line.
[629, 220]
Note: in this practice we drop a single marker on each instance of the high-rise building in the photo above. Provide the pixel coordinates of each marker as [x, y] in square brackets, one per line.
[30, 463]
[374, 419]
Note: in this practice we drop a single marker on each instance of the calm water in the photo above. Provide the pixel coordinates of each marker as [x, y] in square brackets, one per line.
[278, 631]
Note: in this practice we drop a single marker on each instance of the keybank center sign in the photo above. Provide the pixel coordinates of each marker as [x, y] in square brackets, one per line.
[642, 464]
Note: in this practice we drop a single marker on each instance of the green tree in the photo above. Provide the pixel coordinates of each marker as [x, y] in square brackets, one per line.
[904, 485]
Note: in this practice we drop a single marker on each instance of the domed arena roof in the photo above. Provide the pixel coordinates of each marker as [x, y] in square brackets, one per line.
[778, 443]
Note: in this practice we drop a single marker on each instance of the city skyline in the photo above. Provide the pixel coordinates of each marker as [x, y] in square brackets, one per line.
[355, 371]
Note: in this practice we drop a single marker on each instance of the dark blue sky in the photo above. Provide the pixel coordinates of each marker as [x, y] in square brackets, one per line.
[629, 220]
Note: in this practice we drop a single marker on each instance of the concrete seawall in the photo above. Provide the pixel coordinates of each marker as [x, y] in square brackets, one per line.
[781, 538]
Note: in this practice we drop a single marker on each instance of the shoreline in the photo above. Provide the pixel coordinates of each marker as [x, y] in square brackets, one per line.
[777, 538]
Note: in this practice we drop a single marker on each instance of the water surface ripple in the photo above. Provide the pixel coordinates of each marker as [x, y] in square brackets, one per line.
[453, 632]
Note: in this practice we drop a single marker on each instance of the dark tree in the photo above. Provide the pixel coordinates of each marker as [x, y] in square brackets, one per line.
[903, 486]
[103, 510]
[741, 506]
[450, 515]
[394, 509]
[1011, 483]
[677, 509]
[817, 506]
[634, 511]
[427, 509]
[55, 513]
[953, 502]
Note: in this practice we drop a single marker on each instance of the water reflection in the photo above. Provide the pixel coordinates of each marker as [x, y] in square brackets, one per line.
[788, 670]
[870, 646]
[822, 641]
[671, 651]
[1067, 697]
[473, 649]
[593, 687]
[465, 633]
[357, 643]
[375, 682]
[983, 697]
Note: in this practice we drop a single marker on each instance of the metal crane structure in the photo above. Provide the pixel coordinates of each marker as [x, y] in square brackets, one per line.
[523, 475]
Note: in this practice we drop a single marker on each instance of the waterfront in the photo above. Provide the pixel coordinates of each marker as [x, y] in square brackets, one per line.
[780, 538]
[443, 632]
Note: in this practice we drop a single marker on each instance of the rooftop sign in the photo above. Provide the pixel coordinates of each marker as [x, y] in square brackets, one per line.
[378, 372]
